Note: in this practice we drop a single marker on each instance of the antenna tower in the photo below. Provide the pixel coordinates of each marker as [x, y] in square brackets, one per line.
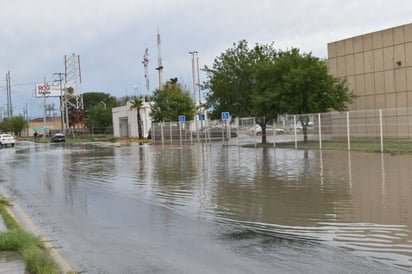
[159, 62]
[146, 69]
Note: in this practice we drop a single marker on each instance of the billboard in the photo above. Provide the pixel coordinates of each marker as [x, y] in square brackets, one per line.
[51, 89]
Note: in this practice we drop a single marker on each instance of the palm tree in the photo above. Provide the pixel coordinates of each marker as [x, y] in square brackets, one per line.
[137, 104]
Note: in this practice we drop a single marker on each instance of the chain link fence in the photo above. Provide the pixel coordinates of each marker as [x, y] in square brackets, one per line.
[378, 130]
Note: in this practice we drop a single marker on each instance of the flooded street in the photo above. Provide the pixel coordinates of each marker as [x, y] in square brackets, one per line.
[208, 208]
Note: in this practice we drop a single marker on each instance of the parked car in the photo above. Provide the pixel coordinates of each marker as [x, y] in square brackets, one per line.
[216, 132]
[269, 130]
[299, 126]
[6, 140]
[58, 137]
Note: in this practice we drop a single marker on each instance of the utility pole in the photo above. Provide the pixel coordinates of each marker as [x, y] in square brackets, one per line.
[8, 89]
[159, 62]
[60, 74]
[44, 105]
[26, 117]
[198, 77]
[193, 53]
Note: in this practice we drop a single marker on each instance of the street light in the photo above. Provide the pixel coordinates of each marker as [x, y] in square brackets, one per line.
[198, 78]
[193, 53]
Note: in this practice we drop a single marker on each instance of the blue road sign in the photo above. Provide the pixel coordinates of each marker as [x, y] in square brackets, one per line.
[201, 117]
[225, 116]
[182, 118]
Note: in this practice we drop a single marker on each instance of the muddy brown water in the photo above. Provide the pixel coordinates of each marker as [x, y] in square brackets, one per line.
[209, 208]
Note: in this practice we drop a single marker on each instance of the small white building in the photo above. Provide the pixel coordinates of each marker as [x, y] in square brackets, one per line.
[125, 121]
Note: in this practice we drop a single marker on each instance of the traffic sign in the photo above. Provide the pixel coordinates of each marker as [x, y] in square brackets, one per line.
[41, 129]
[201, 117]
[225, 116]
[182, 118]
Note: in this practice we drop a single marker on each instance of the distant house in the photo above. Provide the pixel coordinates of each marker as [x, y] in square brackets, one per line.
[125, 121]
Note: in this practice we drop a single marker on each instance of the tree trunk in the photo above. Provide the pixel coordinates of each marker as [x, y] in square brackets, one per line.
[305, 133]
[263, 134]
[139, 125]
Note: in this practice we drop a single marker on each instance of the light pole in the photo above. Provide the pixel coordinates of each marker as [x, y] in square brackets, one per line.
[198, 77]
[193, 53]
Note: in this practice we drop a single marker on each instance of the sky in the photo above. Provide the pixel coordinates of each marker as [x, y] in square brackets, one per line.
[111, 37]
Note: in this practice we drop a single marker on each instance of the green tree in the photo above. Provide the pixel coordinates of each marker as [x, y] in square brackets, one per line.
[232, 82]
[137, 104]
[263, 83]
[98, 111]
[99, 119]
[170, 102]
[92, 99]
[14, 124]
[299, 84]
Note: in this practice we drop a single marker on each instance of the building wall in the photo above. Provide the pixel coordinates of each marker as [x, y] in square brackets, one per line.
[52, 124]
[126, 117]
[378, 67]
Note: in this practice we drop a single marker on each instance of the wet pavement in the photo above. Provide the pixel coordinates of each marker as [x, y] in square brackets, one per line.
[130, 208]
[10, 262]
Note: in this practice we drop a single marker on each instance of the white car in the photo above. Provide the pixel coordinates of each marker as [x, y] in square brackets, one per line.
[269, 130]
[6, 140]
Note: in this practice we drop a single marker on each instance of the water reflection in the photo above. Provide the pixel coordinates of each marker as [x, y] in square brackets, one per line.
[257, 199]
[359, 201]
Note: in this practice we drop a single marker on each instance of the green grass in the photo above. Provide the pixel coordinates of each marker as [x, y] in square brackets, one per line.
[33, 250]
[369, 146]
[90, 138]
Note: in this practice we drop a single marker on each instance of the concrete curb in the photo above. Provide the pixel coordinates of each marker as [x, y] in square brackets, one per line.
[25, 221]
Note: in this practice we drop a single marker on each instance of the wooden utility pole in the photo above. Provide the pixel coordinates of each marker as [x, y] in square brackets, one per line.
[8, 89]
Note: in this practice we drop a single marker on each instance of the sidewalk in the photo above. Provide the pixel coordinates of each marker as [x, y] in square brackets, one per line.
[10, 262]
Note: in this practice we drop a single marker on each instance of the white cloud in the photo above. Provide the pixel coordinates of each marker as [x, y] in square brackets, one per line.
[111, 36]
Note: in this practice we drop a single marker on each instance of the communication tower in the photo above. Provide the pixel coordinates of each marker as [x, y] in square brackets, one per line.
[146, 69]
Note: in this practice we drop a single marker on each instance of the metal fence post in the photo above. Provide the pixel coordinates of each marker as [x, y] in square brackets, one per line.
[171, 133]
[180, 132]
[294, 127]
[348, 128]
[162, 133]
[381, 128]
[320, 131]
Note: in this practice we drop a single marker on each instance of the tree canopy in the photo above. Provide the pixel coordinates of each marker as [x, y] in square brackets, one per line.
[170, 102]
[263, 82]
[98, 108]
[13, 124]
[231, 80]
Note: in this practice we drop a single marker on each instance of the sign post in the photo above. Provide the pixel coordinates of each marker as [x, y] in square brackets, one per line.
[182, 120]
[226, 118]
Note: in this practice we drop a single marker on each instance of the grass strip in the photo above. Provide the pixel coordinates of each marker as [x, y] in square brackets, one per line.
[402, 147]
[33, 250]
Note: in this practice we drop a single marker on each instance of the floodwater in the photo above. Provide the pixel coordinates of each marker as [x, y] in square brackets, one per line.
[209, 208]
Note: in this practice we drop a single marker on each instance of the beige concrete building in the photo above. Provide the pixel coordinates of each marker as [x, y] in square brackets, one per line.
[378, 67]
